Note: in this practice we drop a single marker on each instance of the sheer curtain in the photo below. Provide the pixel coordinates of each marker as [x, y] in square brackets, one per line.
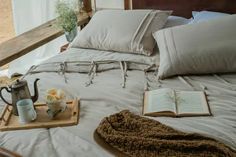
[28, 14]
[109, 4]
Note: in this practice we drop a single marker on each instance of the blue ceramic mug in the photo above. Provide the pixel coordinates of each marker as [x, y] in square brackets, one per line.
[26, 111]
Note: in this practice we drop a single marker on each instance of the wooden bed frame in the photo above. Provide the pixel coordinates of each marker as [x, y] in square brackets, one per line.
[185, 7]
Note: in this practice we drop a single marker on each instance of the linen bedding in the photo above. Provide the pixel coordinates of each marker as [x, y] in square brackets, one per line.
[106, 96]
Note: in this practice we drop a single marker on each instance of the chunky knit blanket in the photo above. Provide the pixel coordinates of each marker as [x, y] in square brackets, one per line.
[133, 135]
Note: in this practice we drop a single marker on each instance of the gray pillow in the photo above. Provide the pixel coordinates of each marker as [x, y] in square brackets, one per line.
[203, 48]
[173, 21]
[206, 16]
[127, 31]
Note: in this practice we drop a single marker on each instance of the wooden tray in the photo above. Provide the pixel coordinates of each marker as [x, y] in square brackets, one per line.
[69, 117]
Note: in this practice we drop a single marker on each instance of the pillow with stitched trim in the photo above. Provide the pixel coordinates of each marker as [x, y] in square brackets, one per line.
[202, 48]
[127, 31]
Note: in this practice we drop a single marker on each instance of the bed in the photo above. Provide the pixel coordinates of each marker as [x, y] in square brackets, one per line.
[113, 88]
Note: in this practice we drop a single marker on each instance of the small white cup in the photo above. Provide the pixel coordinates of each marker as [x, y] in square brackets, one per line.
[26, 111]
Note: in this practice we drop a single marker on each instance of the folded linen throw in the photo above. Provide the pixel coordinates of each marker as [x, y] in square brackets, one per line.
[133, 135]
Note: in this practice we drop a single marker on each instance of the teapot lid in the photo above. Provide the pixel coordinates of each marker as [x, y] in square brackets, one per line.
[18, 84]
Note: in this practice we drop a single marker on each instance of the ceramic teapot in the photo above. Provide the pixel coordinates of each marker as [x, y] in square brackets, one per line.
[19, 90]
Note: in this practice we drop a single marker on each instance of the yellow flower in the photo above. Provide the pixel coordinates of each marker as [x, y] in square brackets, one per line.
[55, 95]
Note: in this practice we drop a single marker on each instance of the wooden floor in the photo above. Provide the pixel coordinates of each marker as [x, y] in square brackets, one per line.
[6, 21]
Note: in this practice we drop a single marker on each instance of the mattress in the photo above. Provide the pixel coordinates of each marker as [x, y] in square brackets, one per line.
[106, 96]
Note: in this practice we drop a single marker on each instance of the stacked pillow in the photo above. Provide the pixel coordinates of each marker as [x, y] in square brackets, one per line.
[202, 48]
[206, 16]
[122, 31]
[173, 21]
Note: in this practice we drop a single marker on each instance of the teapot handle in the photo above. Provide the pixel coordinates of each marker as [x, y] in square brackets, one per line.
[2, 96]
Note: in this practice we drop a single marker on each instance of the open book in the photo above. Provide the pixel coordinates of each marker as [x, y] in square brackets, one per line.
[168, 102]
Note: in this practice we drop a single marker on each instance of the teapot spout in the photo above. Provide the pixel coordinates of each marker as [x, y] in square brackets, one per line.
[36, 93]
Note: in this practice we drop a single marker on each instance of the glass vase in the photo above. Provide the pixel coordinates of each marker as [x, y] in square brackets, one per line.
[71, 35]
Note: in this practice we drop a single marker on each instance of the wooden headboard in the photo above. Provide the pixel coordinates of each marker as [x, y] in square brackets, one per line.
[185, 7]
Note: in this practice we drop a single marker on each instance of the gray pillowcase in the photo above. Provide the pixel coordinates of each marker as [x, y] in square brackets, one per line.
[173, 21]
[203, 48]
[206, 16]
[123, 31]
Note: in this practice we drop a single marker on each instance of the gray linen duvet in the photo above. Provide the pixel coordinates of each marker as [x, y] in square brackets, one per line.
[105, 96]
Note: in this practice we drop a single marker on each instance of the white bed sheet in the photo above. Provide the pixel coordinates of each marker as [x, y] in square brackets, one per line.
[106, 96]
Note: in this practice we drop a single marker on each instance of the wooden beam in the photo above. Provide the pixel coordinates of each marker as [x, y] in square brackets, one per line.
[87, 5]
[8, 153]
[128, 4]
[28, 41]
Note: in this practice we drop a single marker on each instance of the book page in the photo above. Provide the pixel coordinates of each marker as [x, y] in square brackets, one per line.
[161, 100]
[191, 103]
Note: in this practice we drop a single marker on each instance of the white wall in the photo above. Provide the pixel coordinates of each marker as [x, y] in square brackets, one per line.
[111, 4]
